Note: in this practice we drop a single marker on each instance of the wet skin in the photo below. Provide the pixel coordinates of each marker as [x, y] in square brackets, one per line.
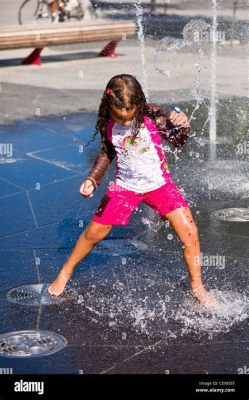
[180, 219]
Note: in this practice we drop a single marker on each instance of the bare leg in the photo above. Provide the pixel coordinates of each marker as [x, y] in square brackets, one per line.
[93, 234]
[183, 224]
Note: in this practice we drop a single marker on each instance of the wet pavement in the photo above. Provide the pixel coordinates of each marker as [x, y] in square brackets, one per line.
[131, 312]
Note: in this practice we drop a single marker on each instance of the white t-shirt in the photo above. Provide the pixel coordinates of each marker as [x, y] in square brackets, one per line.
[141, 166]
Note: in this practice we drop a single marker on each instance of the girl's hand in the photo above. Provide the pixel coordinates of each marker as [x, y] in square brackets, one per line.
[179, 118]
[87, 188]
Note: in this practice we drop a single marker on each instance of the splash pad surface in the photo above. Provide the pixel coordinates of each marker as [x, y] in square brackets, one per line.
[132, 303]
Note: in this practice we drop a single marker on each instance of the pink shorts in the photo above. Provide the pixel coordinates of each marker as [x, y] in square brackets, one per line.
[118, 204]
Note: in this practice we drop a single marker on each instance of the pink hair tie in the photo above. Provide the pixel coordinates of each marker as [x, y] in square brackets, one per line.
[108, 91]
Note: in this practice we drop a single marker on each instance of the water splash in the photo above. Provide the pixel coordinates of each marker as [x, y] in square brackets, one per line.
[139, 17]
[154, 226]
[231, 308]
[166, 51]
[198, 36]
[213, 94]
[147, 311]
[218, 176]
[201, 31]
[168, 63]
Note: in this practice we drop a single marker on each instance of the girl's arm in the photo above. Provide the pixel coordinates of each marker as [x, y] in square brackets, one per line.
[176, 135]
[102, 162]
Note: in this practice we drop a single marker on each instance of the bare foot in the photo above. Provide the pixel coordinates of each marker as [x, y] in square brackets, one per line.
[57, 287]
[204, 298]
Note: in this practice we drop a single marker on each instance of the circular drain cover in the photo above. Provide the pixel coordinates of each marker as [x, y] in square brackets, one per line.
[30, 343]
[38, 294]
[120, 247]
[232, 214]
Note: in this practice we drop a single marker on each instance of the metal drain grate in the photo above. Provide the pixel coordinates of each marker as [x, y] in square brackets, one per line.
[38, 294]
[232, 214]
[30, 343]
[120, 247]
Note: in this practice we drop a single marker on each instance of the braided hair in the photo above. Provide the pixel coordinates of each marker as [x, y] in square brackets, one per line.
[122, 91]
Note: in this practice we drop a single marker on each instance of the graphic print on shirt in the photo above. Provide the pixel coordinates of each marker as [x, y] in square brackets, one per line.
[137, 146]
[141, 164]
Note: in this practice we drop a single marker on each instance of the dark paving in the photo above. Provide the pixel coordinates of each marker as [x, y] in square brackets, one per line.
[133, 313]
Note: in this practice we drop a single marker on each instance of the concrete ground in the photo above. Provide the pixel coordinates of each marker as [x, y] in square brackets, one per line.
[131, 312]
[73, 78]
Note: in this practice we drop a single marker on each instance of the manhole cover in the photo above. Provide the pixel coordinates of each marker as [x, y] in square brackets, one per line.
[120, 247]
[232, 214]
[38, 294]
[30, 343]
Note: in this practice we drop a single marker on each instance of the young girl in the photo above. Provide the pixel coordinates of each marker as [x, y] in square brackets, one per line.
[132, 131]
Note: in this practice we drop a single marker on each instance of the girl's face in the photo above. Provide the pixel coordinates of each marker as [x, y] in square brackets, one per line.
[123, 116]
